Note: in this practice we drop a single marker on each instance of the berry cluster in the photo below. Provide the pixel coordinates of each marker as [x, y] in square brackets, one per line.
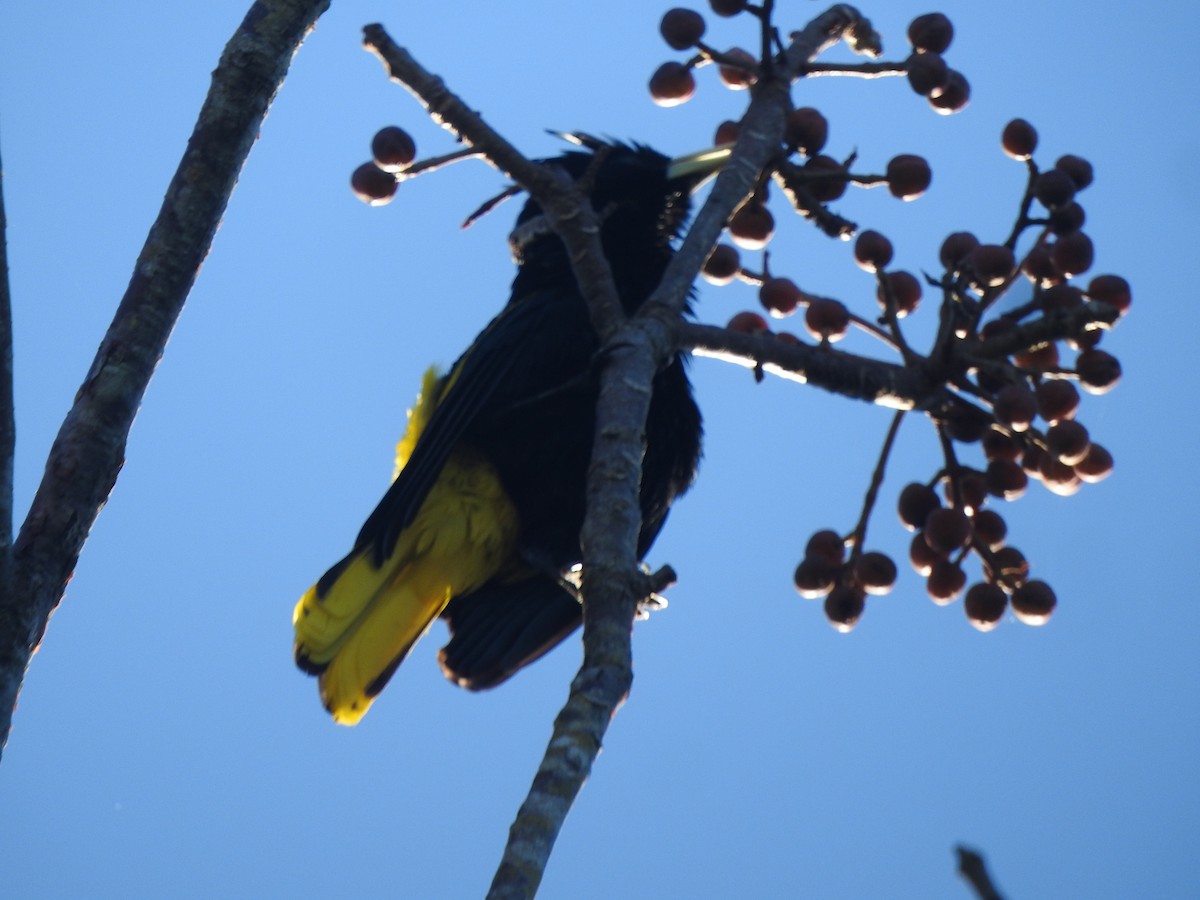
[392, 151]
[674, 82]
[1016, 398]
[809, 178]
[946, 89]
[1008, 384]
[1013, 392]
[825, 572]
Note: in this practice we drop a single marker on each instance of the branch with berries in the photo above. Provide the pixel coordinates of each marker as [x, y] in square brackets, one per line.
[1006, 382]
[1004, 386]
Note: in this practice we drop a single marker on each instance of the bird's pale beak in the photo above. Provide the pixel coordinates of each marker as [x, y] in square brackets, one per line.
[698, 167]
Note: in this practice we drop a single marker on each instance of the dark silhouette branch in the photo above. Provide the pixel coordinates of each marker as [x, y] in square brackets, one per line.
[855, 377]
[8, 428]
[860, 529]
[89, 450]
[1055, 325]
[972, 868]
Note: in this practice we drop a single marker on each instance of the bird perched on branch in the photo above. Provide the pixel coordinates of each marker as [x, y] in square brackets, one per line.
[481, 524]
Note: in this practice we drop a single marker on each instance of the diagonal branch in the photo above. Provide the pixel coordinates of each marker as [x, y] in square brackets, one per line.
[974, 870]
[574, 220]
[612, 584]
[635, 350]
[759, 137]
[8, 429]
[604, 677]
[89, 449]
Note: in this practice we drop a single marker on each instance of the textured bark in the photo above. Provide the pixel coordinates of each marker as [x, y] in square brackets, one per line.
[612, 585]
[89, 450]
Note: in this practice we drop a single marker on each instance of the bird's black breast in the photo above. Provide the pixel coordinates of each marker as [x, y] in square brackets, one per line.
[524, 395]
[538, 433]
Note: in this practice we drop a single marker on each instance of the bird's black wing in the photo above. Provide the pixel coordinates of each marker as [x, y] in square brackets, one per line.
[508, 362]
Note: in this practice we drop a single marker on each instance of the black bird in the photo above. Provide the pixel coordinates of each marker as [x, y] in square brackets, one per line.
[482, 521]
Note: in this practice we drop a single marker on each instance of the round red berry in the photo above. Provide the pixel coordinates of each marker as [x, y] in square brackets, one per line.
[671, 84]
[1033, 602]
[1111, 289]
[779, 296]
[872, 251]
[844, 606]
[916, 502]
[875, 572]
[393, 148]
[826, 319]
[372, 185]
[681, 28]
[806, 130]
[748, 323]
[722, 265]
[752, 226]
[908, 176]
[905, 289]
[739, 77]
[984, 605]
[1019, 139]
[926, 72]
[953, 96]
[930, 33]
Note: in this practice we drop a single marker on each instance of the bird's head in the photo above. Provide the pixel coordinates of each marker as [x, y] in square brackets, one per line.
[642, 198]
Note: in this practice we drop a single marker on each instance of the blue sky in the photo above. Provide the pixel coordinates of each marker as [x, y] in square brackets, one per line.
[166, 747]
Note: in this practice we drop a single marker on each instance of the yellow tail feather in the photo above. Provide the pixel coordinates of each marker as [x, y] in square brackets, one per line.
[362, 626]
[381, 639]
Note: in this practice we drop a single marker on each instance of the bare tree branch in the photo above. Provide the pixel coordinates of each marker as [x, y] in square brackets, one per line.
[972, 867]
[89, 449]
[612, 584]
[574, 220]
[856, 377]
[634, 352]
[604, 677]
[8, 428]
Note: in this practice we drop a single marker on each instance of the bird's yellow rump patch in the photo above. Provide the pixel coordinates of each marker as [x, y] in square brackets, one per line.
[359, 628]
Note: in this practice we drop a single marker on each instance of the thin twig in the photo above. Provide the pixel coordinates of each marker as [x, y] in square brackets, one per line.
[612, 584]
[794, 179]
[859, 535]
[953, 467]
[1023, 220]
[891, 317]
[433, 163]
